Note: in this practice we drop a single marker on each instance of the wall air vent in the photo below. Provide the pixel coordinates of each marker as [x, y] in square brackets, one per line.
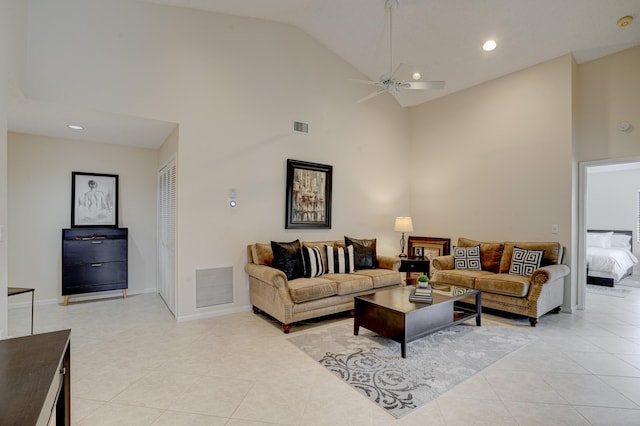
[214, 286]
[300, 127]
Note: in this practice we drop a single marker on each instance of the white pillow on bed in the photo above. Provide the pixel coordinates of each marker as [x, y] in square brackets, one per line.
[599, 239]
[621, 241]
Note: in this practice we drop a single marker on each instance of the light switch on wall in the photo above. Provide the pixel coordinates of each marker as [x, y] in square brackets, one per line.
[554, 228]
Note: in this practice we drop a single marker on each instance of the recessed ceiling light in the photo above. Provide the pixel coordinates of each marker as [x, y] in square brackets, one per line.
[75, 127]
[416, 76]
[489, 45]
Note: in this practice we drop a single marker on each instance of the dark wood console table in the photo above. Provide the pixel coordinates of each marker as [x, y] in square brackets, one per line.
[36, 379]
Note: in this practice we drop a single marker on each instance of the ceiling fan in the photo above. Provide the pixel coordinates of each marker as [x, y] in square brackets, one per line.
[390, 82]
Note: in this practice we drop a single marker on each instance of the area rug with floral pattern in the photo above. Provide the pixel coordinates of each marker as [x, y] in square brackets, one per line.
[372, 364]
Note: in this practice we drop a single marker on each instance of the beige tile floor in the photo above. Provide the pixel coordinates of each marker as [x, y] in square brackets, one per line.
[133, 365]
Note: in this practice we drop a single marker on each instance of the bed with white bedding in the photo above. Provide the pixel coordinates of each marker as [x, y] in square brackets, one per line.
[609, 256]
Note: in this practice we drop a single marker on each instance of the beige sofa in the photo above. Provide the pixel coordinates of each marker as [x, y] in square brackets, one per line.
[531, 296]
[290, 301]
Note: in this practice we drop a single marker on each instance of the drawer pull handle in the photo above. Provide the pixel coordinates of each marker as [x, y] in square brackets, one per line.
[96, 242]
[95, 265]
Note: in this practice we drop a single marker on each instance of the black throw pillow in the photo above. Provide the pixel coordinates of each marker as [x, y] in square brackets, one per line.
[364, 252]
[286, 257]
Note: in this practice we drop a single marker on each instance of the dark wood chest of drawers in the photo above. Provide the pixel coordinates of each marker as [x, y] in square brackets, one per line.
[94, 259]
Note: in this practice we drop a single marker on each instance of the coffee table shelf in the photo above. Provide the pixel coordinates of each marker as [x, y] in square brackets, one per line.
[390, 314]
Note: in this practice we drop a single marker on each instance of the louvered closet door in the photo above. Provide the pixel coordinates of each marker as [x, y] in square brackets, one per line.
[167, 234]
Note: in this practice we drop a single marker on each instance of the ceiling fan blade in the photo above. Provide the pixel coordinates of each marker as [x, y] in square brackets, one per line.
[423, 85]
[371, 95]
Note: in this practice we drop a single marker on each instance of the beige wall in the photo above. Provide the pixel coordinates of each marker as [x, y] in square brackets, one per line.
[169, 148]
[494, 162]
[608, 92]
[234, 85]
[40, 206]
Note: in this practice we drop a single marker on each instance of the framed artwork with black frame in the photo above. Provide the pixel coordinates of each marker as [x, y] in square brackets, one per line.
[427, 248]
[94, 200]
[308, 204]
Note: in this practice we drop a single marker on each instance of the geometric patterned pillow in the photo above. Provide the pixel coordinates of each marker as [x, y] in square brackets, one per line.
[524, 262]
[467, 258]
[312, 263]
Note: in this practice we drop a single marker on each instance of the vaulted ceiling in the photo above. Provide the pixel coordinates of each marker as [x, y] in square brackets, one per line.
[443, 38]
[440, 38]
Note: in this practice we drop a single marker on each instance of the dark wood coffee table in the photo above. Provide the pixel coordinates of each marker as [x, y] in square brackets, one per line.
[390, 314]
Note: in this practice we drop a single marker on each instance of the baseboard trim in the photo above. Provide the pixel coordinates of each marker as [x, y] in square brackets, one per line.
[82, 298]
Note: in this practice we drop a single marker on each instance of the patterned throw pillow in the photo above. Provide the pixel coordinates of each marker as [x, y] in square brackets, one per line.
[467, 258]
[340, 260]
[524, 262]
[312, 263]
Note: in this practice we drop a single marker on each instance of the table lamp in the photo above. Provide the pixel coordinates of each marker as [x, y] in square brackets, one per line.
[403, 224]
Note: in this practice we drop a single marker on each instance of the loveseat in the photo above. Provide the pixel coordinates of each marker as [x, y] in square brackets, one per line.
[524, 278]
[278, 290]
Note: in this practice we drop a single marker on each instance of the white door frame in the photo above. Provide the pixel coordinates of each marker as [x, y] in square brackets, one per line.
[582, 221]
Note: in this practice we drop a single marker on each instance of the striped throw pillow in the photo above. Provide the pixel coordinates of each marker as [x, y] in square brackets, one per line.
[312, 263]
[340, 260]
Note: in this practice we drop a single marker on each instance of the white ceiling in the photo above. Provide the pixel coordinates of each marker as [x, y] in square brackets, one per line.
[440, 38]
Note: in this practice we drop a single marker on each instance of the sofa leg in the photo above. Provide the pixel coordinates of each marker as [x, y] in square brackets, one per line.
[256, 310]
[533, 321]
[286, 328]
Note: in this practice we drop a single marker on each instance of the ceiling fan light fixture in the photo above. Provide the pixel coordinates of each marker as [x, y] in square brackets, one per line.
[416, 76]
[75, 127]
[489, 45]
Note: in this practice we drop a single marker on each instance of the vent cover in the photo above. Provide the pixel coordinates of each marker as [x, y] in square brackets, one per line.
[300, 127]
[214, 286]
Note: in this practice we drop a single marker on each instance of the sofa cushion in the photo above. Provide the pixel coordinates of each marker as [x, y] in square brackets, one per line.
[364, 252]
[490, 252]
[286, 257]
[382, 277]
[467, 258]
[552, 253]
[305, 289]
[459, 278]
[339, 259]
[508, 284]
[350, 283]
[524, 262]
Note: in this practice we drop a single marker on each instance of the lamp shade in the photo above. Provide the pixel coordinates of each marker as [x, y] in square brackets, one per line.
[403, 224]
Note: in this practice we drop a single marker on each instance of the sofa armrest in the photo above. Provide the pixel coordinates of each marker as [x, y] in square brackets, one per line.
[441, 263]
[267, 274]
[549, 273]
[388, 262]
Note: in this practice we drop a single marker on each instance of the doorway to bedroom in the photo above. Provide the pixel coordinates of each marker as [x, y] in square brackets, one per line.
[609, 229]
